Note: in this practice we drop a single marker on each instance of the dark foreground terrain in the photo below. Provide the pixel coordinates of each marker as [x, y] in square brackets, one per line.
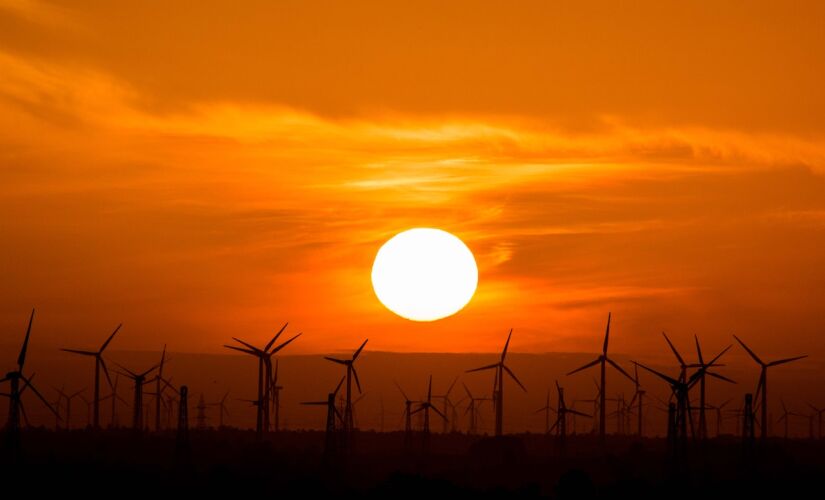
[292, 465]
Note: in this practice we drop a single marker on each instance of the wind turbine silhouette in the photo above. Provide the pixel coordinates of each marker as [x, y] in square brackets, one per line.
[99, 363]
[351, 373]
[763, 384]
[264, 374]
[498, 387]
[703, 426]
[425, 407]
[139, 380]
[332, 414]
[221, 409]
[14, 377]
[546, 409]
[601, 360]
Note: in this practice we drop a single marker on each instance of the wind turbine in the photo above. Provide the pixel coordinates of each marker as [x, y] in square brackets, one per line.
[447, 404]
[159, 388]
[351, 373]
[498, 392]
[407, 416]
[601, 360]
[703, 427]
[546, 409]
[784, 417]
[332, 414]
[425, 407]
[14, 378]
[819, 412]
[222, 409]
[561, 416]
[681, 388]
[472, 409]
[99, 363]
[140, 380]
[115, 397]
[763, 383]
[718, 409]
[264, 373]
[69, 398]
[638, 397]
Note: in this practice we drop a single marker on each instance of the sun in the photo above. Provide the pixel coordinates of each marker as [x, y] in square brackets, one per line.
[424, 274]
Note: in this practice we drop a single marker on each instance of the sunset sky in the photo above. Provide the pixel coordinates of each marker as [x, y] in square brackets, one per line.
[198, 170]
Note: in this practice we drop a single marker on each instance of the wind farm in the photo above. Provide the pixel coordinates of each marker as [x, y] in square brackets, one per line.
[423, 249]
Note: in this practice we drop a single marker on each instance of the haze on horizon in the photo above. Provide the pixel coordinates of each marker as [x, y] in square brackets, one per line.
[205, 171]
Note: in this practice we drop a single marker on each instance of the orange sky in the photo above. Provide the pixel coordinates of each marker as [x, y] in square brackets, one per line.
[202, 170]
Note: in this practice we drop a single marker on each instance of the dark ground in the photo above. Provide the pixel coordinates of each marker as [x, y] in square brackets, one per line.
[291, 464]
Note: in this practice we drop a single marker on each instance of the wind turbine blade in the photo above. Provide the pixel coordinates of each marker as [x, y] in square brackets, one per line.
[616, 366]
[488, 367]
[40, 396]
[284, 344]
[105, 344]
[699, 350]
[712, 362]
[753, 355]
[433, 408]
[402, 391]
[506, 345]
[335, 360]
[585, 367]
[105, 370]
[275, 375]
[314, 403]
[450, 389]
[338, 387]
[247, 351]
[355, 376]
[272, 341]
[430, 390]
[606, 335]
[128, 371]
[149, 370]
[248, 345]
[671, 381]
[720, 377]
[162, 359]
[675, 352]
[467, 390]
[786, 360]
[78, 351]
[358, 352]
[510, 372]
[28, 382]
[575, 412]
[21, 359]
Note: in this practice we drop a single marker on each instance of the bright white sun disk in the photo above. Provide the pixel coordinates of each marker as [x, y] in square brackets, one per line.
[424, 274]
